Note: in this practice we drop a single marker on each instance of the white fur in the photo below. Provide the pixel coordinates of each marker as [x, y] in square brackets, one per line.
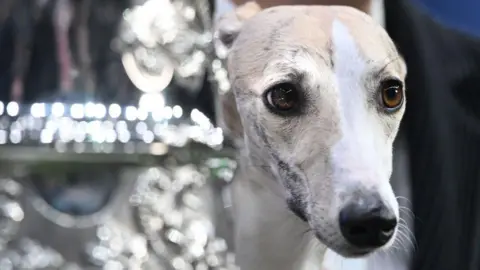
[276, 241]
[362, 147]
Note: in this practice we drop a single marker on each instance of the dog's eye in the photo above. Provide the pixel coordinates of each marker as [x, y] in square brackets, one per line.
[282, 98]
[392, 95]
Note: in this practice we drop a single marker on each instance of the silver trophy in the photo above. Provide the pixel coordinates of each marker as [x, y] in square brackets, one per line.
[166, 40]
[89, 184]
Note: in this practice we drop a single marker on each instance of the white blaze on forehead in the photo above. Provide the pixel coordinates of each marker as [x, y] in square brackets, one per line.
[356, 156]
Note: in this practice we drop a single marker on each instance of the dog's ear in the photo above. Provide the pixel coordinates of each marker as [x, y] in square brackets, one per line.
[229, 25]
[227, 29]
[229, 118]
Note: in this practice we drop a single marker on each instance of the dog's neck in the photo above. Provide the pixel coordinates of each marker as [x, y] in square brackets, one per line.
[263, 222]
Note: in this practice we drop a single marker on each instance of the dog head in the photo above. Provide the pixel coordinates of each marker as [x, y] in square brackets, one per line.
[317, 98]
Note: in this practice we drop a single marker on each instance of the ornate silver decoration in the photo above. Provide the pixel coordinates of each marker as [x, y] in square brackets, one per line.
[178, 209]
[117, 247]
[11, 213]
[97, 128]
[177, 229]
[170, 215]
[163, 39]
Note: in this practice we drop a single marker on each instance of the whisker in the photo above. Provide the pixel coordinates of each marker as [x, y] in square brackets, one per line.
[403, 224]
[410, 239]
[406, 211]
[404, 198]
[407, 237]
[396, 255]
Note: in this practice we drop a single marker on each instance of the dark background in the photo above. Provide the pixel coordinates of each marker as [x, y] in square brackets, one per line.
[461, 14]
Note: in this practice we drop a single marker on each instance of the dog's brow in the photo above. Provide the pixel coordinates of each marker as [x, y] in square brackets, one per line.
[286, 66]
[381, 70]
[282, 71]
[316, 53]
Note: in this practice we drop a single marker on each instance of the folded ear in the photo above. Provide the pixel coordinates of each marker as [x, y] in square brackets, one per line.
[229, 118]
[227, 29]
[229, 25]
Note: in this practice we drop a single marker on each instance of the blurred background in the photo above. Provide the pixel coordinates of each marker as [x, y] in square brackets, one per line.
[109, 153]
[462, 14]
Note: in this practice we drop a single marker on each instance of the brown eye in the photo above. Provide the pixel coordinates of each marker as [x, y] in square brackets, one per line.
[282, 98]
[392, 95]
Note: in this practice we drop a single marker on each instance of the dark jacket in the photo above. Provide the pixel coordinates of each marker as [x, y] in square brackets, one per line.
[442, 128]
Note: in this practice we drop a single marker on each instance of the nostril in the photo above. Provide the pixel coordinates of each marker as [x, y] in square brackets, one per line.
[366, 227]
[357, 230]
[388, 225]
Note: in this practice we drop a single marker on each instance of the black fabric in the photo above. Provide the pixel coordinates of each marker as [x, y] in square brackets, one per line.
[442, 127]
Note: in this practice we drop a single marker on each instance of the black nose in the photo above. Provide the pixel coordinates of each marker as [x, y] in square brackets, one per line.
[368, 223]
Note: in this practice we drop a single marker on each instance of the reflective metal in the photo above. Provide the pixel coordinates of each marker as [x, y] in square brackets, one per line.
[92, 183]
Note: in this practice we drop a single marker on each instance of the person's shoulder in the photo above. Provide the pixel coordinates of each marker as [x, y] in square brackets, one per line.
[448, 42]
[467, 44]
[428, 34]
[455, 56]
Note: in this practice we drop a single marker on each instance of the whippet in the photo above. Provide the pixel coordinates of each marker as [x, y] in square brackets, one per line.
[316, 102]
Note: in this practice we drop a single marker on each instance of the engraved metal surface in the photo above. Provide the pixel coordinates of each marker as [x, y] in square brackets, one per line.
[164, 218]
